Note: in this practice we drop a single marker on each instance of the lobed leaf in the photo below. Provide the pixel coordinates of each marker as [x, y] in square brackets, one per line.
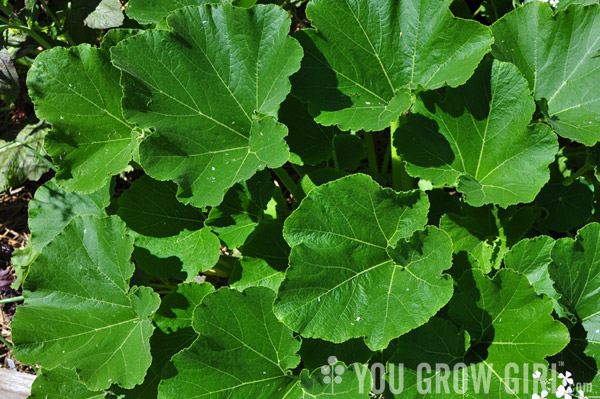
[361, 265]
[558, 55]
[77, 90]
[365, 56]
[173, 80]
[481, 140]
[89, 319]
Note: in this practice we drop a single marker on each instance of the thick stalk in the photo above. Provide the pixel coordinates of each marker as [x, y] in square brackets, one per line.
[31, 33]
[11, 300]
[289, 183]
[17, 143]
[5, 342]
[401, 181]
[582, 171]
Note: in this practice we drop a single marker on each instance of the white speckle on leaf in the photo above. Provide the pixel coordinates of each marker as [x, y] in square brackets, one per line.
[62, 117]
[368, 103]
[358, 318]
[212, 168]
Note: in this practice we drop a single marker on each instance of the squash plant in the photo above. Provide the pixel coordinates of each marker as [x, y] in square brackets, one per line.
[391, 185]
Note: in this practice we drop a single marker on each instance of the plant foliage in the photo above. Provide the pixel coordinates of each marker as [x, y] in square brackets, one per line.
[381, 182]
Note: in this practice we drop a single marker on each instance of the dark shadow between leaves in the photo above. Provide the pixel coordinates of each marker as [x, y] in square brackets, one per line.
[420, 143]
[305, 82]
[149, 268]
[574, 359]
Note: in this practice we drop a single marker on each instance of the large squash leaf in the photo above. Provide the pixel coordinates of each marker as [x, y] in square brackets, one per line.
[482, 142]
[575, 270]
[77, 90]
[60, 383]
[359, 265]
[79, 310]
[50, 211]
[503, 322]
[366, 55]
[243, 351]
[210, 87]
[558, 54]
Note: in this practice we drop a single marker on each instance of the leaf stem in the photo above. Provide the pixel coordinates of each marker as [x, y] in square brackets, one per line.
[16, 143]
[5, 342]
[223, 268]
[31, 33]
[11, 300]
[289, 183]
[582, 171]
[386, 160]
[401, 181]
[371, 154]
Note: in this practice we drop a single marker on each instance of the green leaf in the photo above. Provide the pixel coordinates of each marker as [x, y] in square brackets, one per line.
[114, 36]
[359, 266]
[173, 79]
[108, 14]
[485, 233]
[564, 4]
[166, 227]
[501, 313]
[152, 11]
[18, 163]
[77, 90]
[481, 141]
[60, 383]
[558, 55]
[575, 270]
[242, 350]
[177, 309]
[242, 209]
[50, 211]
[318, 385]
[319, 177]
[568, 207]
[265, 258]
[88, 318]
[175, 333]
[532, 257]
[507, 323]
[366, 55]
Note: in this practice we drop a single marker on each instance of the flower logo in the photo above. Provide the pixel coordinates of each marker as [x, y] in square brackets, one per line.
[332, 372]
